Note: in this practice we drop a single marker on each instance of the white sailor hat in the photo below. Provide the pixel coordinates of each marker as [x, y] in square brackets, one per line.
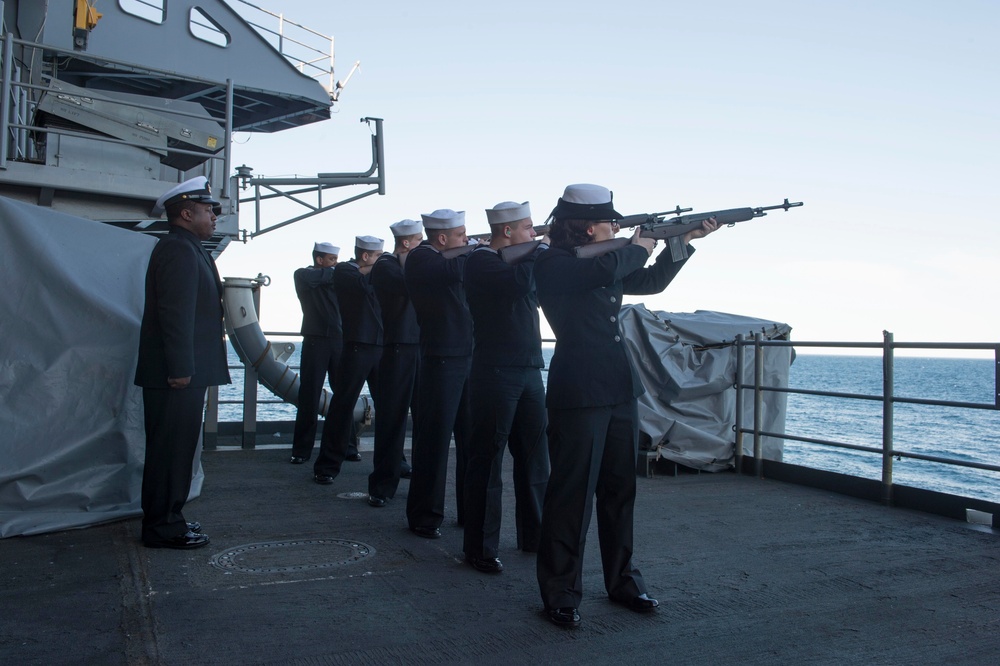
[444, 218]
[506, 212]
[368, 243]
[196, 189]
[406, 228]
[326, 248]
[584, 201]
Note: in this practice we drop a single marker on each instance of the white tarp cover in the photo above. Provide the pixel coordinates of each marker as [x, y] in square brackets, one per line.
[687, 362]
[71, 424]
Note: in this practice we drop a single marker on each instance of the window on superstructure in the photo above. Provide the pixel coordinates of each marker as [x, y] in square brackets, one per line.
[207, 29]
[154, 11]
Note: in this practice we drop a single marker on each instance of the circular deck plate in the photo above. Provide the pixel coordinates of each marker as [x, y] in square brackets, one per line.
[292, 556]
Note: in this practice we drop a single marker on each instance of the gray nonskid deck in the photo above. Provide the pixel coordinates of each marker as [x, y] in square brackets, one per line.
[746, 571]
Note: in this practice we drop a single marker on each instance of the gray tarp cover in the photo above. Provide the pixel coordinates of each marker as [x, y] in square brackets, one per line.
[687, 363]
[71, 427]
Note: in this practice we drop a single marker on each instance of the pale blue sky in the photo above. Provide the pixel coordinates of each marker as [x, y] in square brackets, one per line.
[882, 116]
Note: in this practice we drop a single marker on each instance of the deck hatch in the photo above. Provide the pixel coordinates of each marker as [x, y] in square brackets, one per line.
[292, 556]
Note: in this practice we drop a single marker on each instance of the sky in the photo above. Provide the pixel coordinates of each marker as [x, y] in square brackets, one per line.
[882, 116]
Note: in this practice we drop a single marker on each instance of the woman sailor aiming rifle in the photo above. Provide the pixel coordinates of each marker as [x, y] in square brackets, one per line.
[591, 399]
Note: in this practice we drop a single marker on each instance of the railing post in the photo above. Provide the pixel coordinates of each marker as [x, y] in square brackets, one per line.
[210, 431]
[758, 405]
[227, 162]
[738, 448]
[887, 416]
[996, 375]
[6, 90]
[250, 390]
[281, 33]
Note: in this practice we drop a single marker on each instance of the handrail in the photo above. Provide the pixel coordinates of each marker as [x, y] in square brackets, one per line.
[887, 449]
[300, 63]
[10, 126]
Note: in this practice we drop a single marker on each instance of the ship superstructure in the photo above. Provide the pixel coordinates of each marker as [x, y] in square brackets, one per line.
[106, 105]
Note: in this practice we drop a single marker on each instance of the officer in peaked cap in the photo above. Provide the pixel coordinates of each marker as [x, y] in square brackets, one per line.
[397, 369]
[362, 323]
[435, 286]
[591, 399]
[506, 393]
[196, 189]
[322, 344]
[181, 353]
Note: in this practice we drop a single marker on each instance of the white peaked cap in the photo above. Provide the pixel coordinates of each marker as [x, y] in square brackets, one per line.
[406, 228]
[195, 189]
[326, 248]
[585, 193]
[444, 218]
[507, 212]
[369, 243]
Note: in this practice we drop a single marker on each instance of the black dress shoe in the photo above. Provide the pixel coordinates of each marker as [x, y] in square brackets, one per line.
[485, 564]
[640, 604]
[323, 479]
[567, 617]
[376, 501]
[182, 542]
[297, 460]
[353, 457]
[427, 532]
[194, 526]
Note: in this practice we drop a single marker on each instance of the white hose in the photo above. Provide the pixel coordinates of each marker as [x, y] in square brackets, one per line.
[255, 350]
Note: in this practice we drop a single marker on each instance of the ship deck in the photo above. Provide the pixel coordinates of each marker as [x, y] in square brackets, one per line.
[746, 570]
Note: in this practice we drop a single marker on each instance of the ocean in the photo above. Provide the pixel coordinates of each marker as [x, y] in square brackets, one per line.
[950, 432]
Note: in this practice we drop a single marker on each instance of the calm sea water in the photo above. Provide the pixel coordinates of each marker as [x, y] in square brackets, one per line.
[949, 432]
[958, 433]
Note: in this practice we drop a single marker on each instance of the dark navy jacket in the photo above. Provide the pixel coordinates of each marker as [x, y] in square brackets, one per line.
[504, 309]
[320, 309]
[359, 310]
[399, 320]
[182, 323]
[581, 299]
[435, 286]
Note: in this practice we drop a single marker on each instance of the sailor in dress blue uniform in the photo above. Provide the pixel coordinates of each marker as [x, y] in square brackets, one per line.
[591, 400]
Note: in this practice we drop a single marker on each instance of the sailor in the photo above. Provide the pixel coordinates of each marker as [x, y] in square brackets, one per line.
[397, 371]
[182, 351]
[591, 400]
[435, 286]
[362, 324]
[506, 393]
[322, 344]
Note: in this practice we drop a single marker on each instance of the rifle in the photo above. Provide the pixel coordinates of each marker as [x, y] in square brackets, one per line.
[515, 254]
[508, 254]
[453, 252]
[656, 226]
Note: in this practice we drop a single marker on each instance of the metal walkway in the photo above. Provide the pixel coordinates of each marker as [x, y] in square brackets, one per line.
[747, 571]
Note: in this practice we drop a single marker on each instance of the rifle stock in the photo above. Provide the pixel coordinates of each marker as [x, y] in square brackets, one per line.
[453, 252]
[672, 230]
[515, 254]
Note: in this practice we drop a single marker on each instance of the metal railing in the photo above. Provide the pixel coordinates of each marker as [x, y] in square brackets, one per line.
[250, 400]
[316, 61]
[886, 450]
[19, 99]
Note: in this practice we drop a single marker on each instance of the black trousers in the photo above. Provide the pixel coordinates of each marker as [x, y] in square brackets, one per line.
[442, 409]
[173, 419]
[593, 452]
[508, 410]
[397, 373]
[358, 364]
[320, 359]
